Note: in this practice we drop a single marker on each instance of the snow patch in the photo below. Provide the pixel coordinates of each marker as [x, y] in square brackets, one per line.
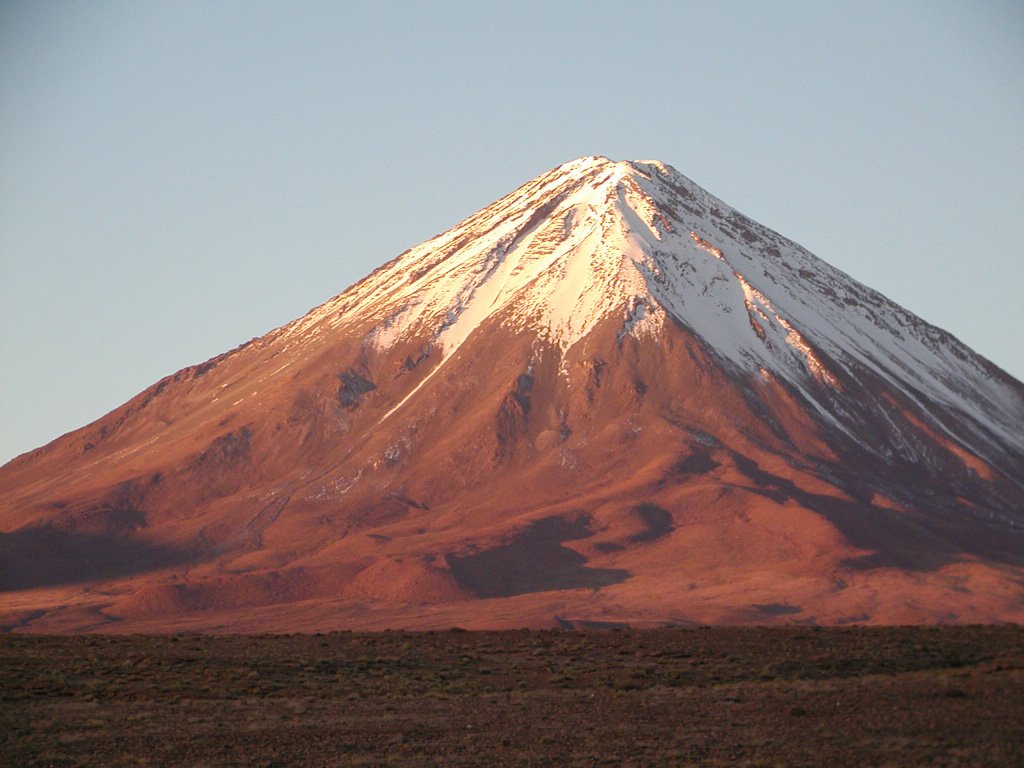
[637, 241]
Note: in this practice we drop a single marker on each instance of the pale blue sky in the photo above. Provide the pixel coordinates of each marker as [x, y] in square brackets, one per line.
[176, 178]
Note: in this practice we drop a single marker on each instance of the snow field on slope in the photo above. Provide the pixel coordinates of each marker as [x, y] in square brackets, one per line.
[594, 238]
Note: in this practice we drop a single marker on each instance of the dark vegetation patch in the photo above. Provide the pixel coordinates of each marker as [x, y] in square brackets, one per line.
[793, 696]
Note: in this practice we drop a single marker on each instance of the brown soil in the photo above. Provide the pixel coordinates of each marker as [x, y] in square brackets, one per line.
[795, 696]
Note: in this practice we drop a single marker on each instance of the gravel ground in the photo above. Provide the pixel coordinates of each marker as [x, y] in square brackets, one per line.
[800, 696]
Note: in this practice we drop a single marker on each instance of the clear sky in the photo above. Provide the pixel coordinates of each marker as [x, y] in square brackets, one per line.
[179, 177]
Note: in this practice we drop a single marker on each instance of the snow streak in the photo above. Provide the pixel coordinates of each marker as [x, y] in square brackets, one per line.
[638, 242]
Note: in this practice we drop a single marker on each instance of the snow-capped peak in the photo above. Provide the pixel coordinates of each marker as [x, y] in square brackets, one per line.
[639, 242]
[556, 255]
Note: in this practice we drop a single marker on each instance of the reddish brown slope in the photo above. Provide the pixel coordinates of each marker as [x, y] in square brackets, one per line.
[607, 397]
[642, 484]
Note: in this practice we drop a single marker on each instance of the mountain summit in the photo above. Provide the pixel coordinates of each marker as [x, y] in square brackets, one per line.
[606, 398]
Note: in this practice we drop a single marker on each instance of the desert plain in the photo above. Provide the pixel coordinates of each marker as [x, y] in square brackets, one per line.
[709, 696]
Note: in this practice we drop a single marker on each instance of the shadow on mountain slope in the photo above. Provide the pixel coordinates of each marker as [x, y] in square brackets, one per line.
[907, 540]
[533, 561]
[47, 557]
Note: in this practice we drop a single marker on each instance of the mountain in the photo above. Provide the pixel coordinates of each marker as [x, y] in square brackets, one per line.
[606, 398]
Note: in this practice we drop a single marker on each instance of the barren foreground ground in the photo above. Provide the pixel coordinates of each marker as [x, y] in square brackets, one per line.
[949, 696]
